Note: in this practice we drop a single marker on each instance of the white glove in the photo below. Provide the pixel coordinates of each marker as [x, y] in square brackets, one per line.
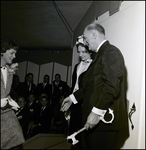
[14, 105]
[4, 102]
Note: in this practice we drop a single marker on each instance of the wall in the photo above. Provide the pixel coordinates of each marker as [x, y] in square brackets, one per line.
[125, 29]
[46, 69]
[40, 70]
[33, 68]
[45, 56]
[41, 62]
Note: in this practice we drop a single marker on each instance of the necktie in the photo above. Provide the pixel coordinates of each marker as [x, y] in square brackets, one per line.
[18, 111]
[30, 104]
[29, 86]
[41, 111]
[44, 85]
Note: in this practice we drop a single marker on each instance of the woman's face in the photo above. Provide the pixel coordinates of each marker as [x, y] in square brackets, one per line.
[8, 56]
[83, 53]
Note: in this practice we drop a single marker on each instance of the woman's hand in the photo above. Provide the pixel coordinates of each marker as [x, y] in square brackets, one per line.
[67, 102]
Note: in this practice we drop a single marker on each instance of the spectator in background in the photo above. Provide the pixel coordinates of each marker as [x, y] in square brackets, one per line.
[44, 87]
[31, 104]
[59, 123]
[42, 117]
[27, 86]
[60, 89]
[38, 101]
[23, 115]
[16, 87]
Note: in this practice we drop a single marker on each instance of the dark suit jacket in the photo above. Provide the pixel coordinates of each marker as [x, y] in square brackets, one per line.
[44, 119]
[47, 89]
[31, 108]
[103, 86]
[74, 77]
[61, 90]
[76, 110]
[25, 89]
[24, 122]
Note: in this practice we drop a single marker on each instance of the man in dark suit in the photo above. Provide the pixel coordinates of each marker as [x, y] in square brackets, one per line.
[60, 89]
[27, 86]
[102, 88]
[31, 104]
[42, 117]
[23, 115]
[44, 87]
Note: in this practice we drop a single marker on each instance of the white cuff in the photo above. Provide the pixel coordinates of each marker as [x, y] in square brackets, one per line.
[99, 111]
[73, 99]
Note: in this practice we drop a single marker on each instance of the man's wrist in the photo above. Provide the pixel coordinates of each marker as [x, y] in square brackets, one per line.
[99, 112]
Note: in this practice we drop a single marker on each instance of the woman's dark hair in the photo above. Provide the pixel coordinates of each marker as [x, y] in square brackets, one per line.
[8, 43]
[80, 44]
[86, 47]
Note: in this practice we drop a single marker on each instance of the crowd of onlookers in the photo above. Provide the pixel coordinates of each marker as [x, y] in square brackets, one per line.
[40, 104]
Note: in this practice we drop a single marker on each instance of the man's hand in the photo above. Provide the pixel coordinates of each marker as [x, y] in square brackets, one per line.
[92, 120]
[66, 104]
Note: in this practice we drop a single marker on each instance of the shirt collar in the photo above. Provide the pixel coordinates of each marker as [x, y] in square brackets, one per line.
[43, 107]
[87, 61]
[100, 45]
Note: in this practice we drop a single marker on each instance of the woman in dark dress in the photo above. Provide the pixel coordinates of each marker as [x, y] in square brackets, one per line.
[79, 69]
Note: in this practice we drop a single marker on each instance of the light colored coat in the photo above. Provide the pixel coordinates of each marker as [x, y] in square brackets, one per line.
[11, 131]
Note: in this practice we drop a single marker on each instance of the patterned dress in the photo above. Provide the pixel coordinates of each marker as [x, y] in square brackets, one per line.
[11, 131]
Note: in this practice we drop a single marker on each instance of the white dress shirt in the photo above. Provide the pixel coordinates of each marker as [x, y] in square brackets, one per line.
[82, 67]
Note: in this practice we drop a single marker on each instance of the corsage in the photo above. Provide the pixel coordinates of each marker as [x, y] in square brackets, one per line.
[12, 68]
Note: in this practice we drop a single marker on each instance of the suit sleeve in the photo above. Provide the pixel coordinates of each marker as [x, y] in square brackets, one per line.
[74, 77]
[79, 94]
[112, 65]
